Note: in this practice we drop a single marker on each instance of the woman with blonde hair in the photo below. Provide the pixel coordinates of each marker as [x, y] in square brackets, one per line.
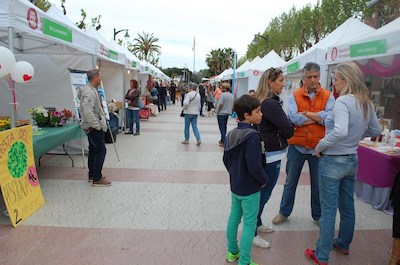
[352, 118]
[275, 128]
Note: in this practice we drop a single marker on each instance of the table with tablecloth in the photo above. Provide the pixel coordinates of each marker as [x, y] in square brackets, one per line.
[48, 138]
[375, 177]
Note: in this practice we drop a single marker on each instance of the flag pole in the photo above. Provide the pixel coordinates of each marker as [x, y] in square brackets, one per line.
[194, 53]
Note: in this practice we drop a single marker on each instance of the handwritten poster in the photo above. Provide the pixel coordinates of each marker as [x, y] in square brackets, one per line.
[18, 177]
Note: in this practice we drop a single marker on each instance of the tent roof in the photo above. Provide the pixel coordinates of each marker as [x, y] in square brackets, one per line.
[351, 29]
[104, 49]
[42, 32]
[386, 37]
[131, 61]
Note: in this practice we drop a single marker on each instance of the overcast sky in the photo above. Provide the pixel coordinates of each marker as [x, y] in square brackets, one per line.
[215, 24]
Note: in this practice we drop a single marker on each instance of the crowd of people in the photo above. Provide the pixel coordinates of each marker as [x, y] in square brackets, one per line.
[317, 128]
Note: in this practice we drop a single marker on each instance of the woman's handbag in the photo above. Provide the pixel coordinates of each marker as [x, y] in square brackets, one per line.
[182, 114]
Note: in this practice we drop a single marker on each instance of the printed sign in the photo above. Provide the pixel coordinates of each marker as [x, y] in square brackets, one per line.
[55, 30]
[293, 67]
[18, 178]
[368, 48]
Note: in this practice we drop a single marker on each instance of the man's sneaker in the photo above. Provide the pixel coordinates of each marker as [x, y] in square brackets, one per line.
[340, 250]
[260, 242]
[185, 142]
[101, 183]
[232, 257]
[220, 143]
[280, 218]
[198, 142]
[265, 229]
[136, 133]
[310, 255]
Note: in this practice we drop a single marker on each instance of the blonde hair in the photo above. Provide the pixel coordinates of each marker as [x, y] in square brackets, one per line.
[355, 85]
[264, 90]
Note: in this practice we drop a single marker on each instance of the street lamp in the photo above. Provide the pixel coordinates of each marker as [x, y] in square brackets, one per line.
[126, 34]
[255, 40]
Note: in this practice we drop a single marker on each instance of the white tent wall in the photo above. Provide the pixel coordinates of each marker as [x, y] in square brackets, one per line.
[143, 78]
[50, 86]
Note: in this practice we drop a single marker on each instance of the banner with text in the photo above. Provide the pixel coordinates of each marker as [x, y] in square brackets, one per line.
[18, 178]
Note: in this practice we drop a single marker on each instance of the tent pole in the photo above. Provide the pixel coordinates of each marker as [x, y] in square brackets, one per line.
[11, 48]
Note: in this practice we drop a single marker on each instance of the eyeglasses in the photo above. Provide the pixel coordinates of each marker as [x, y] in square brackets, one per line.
[272, 70]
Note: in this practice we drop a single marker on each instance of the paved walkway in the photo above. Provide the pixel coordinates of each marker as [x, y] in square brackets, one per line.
[168, 204]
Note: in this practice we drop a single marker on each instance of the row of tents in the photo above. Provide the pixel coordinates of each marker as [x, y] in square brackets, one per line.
[351, 41]
[53, 44]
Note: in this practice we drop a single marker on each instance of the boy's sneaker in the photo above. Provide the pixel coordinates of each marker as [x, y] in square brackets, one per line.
[101, 183]
[310, 255]
[280, 218]
[340, 250]
[232, 257]
[260, 242]
[185, 142]
[265, 229]
[198, 142]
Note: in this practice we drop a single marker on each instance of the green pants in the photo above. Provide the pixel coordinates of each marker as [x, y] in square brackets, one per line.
[246, 206]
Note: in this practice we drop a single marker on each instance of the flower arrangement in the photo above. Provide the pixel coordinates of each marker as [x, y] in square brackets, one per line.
[4, 125]
[40, 115]
[52, 117]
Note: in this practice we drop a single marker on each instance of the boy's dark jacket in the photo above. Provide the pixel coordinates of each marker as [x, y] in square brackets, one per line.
[244, 160]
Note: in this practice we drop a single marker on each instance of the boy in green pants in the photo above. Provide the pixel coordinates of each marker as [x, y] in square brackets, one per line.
[243, 158]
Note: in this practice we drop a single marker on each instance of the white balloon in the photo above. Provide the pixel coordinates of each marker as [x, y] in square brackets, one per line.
[22, 72]
[7, 61]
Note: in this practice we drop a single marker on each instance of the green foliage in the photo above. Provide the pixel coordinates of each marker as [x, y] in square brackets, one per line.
[219, 60]
[44, 5]
[145, 47]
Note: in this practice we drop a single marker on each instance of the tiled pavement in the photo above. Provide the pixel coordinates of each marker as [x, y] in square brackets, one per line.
[168, 204]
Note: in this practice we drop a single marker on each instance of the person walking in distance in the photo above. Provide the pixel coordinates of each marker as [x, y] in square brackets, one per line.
[191, 110]
[95, 125]
[132, 98]
[244, 160]
[308, 107]
[352, 118]
[275, 128]
[223, 110]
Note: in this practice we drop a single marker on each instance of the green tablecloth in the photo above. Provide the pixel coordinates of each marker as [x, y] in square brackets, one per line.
[49, 138]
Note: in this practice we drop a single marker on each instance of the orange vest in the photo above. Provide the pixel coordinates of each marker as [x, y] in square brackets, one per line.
[308, 136]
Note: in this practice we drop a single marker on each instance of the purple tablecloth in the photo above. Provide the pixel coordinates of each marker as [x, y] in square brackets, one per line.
[377, 169]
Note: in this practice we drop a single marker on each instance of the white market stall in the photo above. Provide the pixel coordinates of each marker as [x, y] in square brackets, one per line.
[378, 55]
[253, 72]
[51, 46]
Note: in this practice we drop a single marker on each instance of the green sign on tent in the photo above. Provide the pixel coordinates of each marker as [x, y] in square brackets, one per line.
[293, 67]
[368, 48]
[56, 30]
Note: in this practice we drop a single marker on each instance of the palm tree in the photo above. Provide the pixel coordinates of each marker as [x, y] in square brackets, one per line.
[219, 60]
[145, 47]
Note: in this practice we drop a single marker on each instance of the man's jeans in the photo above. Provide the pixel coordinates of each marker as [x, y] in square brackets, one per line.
[294, 165]
[222, 124]
[97, 153]
[246, 206]
[191, 119]
[133, 117]
[272, 170]
[336, 183]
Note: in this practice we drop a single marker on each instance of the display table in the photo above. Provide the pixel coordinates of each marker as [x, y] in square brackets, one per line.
[376, 173]
[153, 108]
[48, 138]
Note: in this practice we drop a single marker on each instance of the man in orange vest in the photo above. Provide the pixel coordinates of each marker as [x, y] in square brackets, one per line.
[308, 107]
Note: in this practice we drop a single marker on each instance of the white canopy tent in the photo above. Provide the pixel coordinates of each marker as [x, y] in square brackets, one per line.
[111, 62]
[351, 29]
[52, 46]
[250, 76]
[378, 56]
[384, 41]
